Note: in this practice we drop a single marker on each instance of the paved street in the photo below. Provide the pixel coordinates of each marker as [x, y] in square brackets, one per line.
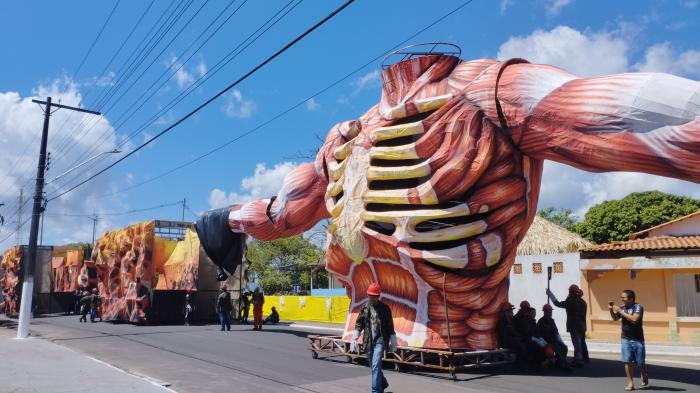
[200, 359]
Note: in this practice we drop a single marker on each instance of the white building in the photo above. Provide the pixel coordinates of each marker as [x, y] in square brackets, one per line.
[546, 245]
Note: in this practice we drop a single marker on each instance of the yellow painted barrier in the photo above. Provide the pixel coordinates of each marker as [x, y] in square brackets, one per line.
[328, 309]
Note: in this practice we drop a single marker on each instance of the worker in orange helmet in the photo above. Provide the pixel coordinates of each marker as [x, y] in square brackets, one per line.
[378, 325]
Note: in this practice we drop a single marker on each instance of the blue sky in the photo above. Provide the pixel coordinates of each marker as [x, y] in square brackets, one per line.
[46, 41]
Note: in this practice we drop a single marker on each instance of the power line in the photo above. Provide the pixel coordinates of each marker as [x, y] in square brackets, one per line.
[123, 213]
[293, 107]
[202, 78]
[117, 124]
[222, 92]
[75, 73]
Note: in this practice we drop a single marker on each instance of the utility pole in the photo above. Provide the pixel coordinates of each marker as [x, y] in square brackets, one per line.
[19, 213]
[184, 205]
[94, 219]
[28, 284]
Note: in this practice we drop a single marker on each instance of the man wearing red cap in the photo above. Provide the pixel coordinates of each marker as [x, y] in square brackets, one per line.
[547, 329]
[576, 309]
[378, 325]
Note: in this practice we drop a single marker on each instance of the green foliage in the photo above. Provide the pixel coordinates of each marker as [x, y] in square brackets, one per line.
[563, 217]
[617, 219]
[273, 263]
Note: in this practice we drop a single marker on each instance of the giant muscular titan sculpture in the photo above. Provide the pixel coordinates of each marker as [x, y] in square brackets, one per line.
[430, 192]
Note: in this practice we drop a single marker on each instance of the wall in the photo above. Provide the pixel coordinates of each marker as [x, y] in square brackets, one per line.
[689, 226]
[328, 309]
[654, 289]
[532, 286]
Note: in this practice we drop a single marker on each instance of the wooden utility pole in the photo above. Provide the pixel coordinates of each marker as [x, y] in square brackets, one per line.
[28, 284]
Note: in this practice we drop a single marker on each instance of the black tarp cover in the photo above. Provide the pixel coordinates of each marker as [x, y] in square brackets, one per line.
[224, 248]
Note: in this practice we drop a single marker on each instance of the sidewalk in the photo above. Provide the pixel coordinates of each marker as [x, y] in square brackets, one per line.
[38, 366]
[601, 347]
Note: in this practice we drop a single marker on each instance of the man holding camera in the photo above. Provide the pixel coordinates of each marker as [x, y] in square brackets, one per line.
[633, 351]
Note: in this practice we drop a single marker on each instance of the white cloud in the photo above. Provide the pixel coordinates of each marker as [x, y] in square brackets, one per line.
[554, 6]
[185, 76]
[585, 54]
[20, 125]
[264, 183]
[237, 106]
[505, 4]
[201, 68]
[312, 105]
[692, 4]
[368, 80]
[663, 58]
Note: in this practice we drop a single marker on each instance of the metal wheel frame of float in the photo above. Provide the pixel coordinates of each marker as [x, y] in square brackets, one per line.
[443, 360]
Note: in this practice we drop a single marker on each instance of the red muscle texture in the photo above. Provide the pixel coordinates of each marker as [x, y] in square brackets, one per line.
[430, 192]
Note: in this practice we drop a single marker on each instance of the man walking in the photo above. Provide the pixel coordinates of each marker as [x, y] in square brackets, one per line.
[576, 309]
[94, 303]
[223, 307]
[633, 351]
[258, 302]
[378, 325]
[245, 307]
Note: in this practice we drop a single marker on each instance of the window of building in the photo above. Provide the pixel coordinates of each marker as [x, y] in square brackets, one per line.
[537, 267]
[517, 268]
[558, 267]
[687, 288]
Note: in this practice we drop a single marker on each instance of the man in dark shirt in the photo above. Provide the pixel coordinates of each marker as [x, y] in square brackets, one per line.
[633, 351]
[547, 329]
[576, 309]
[508, 336]
[273, 318]
[223, 308]
[376, 321]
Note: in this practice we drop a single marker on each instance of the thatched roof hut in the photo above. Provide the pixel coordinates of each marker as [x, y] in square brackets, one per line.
[545, 237]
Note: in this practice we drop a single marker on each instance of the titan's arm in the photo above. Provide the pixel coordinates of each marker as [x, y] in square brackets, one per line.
[298, 206]
[640, 122]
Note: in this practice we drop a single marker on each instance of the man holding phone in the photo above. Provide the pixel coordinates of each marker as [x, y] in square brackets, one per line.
[632, 339]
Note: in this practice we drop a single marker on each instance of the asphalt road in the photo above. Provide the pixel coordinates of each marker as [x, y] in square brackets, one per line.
[200, 359]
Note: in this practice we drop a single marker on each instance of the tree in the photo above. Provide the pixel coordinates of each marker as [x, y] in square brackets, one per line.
[563, 217]
[273, 263]
[617, 219]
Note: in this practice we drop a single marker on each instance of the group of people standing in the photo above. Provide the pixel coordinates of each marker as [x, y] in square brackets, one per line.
[224, 308]
[88, 302]
[538, 342]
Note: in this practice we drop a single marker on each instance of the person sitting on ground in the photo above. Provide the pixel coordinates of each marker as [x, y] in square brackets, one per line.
[508, 336]
[547, 329]
[526, 326]
[273, 318]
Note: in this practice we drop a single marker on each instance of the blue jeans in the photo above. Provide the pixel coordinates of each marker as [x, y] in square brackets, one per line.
[375, 355]
[93, 314]
[578, 339]
[633, 351]
[225, 320]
